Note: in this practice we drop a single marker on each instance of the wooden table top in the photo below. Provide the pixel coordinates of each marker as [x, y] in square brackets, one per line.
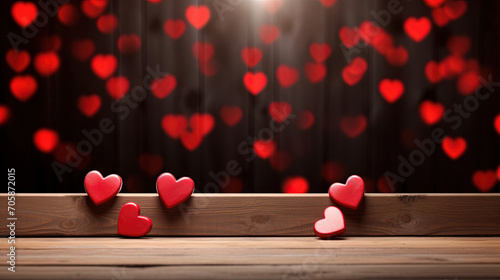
[254, 258]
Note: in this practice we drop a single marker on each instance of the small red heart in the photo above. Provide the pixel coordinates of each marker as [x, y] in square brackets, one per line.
[332, 225]
[431, 112]
[102, 189]
[164, 86]
[467, 83]
[104, 65]
[440, 17]
[68, 14]
[151, 164]
[459, 44]
[268, 33]
[484, 180]
[18, 60]
[208, 68]
[174, 125]
[353, 126]
[45, 140]
[46, 63]
[315, 72]
[131, 224]
[4, 114]
[296, 184]
[174, 28]
[320, 52]
[391, 90]
[173, 192]
[454, 147]
[497, 123]
[117, 87]
[434, 3]
[383, 42]
[305, 120]
[107, 23]
[417, 29]
[455, 9]
[251, 56]
[264, 148]
[198, 16]
[368, 30]
[280, 160]
[93, 9]
[280, 111]
[349, 36]
[201, 123]
[23, 87]
[89, 105]
[354, 71]
[350, 194]
[129, 43]
[82, 49]
[432, 72]
[231, 115]
[287, 76]
[328, 3]
[191, 140]
[203, 51]
[396, 56]
[451, 66]
[24, 13]
[255, 82]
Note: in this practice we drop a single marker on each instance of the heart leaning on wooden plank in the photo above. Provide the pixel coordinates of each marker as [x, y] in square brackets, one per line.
[102, 189]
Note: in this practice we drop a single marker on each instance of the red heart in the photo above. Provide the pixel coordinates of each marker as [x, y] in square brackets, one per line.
[287, 76]
[46, 63]
[320, 52]
[24, 13]
[107, 23]
[440, 17]
[349, 36]
[396, 56]
[82, 49]
[251, 56]
[315, 72]
[23, 87]
[129, 43]
[296, 184]
[431, 112]
[497, 123]
[93, 9]
[305, 120]
[68, 14]
[455, 9]
[18, 60]
[264, 148]
[383, 42]
[328, 3]
[268, 33]
[279, 111]
[432, 72]
[391, 90]
[191, 140]
[350, 194]
[467, 83]
[203, 51]
[172, 192]
[104, 65]
[45, 140]
[174, 28]
[208, 68]
[451, 66]
[131, 224]
[150, 164]
[454, 148]
[255, 82]
[117, 87]
[368, 30]
[201, 123]
[434, 3]
[198, 16]
[231, 115]
[4, 114]
[174, 125]
[459, 45]
[89, 105]
[417, 29]
[353, 126]
[332, 225]
[280, 161]
[164, 86]
[102, 189]
[354, 71]
[484, 180]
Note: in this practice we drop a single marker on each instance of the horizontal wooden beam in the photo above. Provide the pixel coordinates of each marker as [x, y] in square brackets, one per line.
[259, 215]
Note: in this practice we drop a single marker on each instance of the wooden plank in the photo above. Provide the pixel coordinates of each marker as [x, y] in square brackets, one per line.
[259, 215]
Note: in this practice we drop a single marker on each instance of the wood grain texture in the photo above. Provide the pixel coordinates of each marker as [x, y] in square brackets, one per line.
[255, 258]
[260, 215]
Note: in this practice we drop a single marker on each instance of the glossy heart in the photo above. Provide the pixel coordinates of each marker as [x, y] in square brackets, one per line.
[454, 147]
[23, 87]
[46, 63]
[315, 72]
[354, 71]
[264, 148]
[198, 16]
[174, 125]
[280, 111]
[484, 180]
[131, 224]
[251, 56]
[18, 60]
[24, 13]
[102, 189]
[104, 65]
[353, 126]
[431, 112]
[268, 33]
[117, 87]
[349, 36]
[255, 82]
[391, 90]
[107, 23]
[417, 29]
[231, 115]
[89, 105]
[350, 194]
[320, 52]
[151, 164]
[173, 192]
[332, 225]
[164, 86]
[129, 43]
[174, 28]
[287, 76]
[45, 140]
[82, 49]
